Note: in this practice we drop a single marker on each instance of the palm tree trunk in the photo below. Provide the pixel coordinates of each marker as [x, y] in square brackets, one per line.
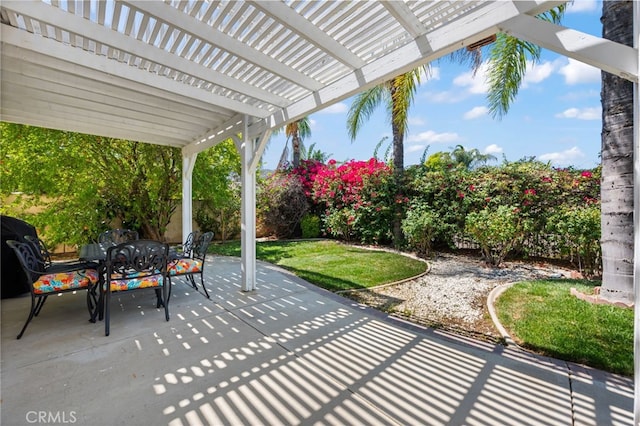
[617, 163]
[295, 142]
[398, 173]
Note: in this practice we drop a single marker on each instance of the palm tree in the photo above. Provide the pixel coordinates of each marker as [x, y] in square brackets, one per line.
[470, 159]
[396, 95]
[311, 153]
[297, 131]
[507, 66]
[616, 191]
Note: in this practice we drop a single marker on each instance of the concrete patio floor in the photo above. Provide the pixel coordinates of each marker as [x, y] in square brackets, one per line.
[288, 353]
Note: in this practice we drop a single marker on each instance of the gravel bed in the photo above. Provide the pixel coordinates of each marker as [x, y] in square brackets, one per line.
[453, 294]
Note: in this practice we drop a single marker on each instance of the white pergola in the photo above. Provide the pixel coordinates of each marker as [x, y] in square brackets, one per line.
[192, 73]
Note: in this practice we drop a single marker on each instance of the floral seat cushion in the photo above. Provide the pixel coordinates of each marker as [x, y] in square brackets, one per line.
[131, 282]
[185, 266]
[64, 281]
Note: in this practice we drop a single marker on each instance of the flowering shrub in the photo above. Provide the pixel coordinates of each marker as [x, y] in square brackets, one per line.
[306, 173]
[281, 204]
[577, 232]
[449, 196]
[526, 207]
[536, 189]
[358, 199]
[419, 228]
[497, 230]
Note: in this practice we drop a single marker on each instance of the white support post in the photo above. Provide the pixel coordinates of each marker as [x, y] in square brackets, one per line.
[250, 153]
[188, 161]
[636, 219]
[248, 216]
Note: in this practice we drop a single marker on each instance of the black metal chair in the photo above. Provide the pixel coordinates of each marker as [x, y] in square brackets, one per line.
[45, 282]
[118, 236]
[44, 256]
[136, 265]
[194, 264]
[185, 249]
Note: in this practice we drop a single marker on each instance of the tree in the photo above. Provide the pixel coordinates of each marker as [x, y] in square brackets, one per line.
[397, 96]
[311, 153]
[617, 163]
[216, 187]
[81, 182]
[140, 182]
[296, 131]
[506, 69]
[470, 159]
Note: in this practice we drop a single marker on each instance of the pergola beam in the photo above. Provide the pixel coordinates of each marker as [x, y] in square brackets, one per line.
[614, 58]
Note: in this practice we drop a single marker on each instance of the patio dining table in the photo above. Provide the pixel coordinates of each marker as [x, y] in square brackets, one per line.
[97, 252]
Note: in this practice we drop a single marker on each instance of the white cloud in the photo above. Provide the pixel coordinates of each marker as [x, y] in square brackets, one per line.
[478, 84]
[475, 84]
[476, 112]
[432, 137]
[444, 97]
[433, 74]
[580, 95]
[563, 158]
[493, 149]
[581, 113]
[416, 148]
[537, 73]
[576, 72]
[338, 108]
[578, 6]
[416, 121]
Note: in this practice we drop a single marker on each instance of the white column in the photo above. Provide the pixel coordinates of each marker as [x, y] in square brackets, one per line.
[636, 220]
[188, 161]
[248, 214]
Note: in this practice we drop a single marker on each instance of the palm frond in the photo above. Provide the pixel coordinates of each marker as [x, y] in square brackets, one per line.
[362, 107]
[507, 67]
[402, 95]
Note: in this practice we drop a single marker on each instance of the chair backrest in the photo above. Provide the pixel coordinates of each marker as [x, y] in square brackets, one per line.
[118, 236]
[40, 248]
[187, 247]
[29, 260]
[201, 246]
[137, 259]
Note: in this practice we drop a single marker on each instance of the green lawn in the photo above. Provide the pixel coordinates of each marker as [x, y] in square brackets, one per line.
[545, 317]
[330, 264]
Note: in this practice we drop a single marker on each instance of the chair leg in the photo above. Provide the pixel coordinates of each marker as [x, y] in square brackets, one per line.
[92, 304]
[39, 305]
[159, 301]
[193, 283]
[107, 306]
[203, 286]
[166, 291]
[32, 313]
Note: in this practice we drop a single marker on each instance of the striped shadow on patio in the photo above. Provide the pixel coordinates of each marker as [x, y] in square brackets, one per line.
[287, 353]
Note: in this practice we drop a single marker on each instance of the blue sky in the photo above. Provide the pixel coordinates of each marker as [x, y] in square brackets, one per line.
[556, 116]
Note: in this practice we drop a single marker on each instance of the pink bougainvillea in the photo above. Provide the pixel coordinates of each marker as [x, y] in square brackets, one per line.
[365, 189]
